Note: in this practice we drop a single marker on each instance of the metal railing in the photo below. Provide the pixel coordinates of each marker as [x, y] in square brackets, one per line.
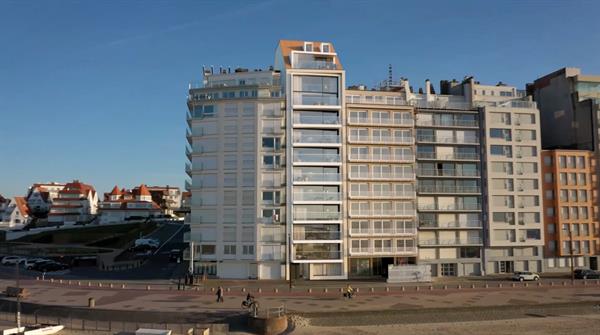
[408, 122]
[390, 176]
[451, 140]
[316, 255]
[318, 216]
[380, 157]
[314, 119]
[448, 189]
[316, 158]
[382, 194]
[315, 99]
[317, 196]
[452, 156]
[451, 241]
[305, 138]
[450, 207]
[383, 250]
[447, 173]
[381, 139]
[384, 231]
[381, 213]
[317, 177]
[316, 235]
[448, 123]
[376, 99]
[453, 224]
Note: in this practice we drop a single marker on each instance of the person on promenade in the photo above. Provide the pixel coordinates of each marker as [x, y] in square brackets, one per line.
[219, 294]
[349, 292]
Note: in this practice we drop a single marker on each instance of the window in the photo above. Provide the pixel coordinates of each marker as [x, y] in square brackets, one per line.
[550, 211]
[548, 160]
[550, 228]
[308, 46]
[532, 234]
[501, 150]
[229, 249]
[581, 180]
[562, 162]
[207, 249]
[325, 47]
[272, 161]
[248, 250]
[549, 194]
[580, 162]
[273, 143]
[448, 269]
[563, 178]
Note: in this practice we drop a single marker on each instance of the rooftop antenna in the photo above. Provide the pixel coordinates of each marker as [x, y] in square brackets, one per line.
[389, 83]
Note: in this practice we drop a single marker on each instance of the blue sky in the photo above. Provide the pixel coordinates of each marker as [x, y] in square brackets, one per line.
[96, 90]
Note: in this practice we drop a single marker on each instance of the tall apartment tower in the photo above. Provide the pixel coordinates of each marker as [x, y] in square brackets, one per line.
[237, 169]
[380, 182]
[512, 175]
[313, 82]
[569, 206]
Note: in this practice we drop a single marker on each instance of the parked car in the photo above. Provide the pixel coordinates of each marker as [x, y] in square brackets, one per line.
[150, 242]
[29, 263]
[49, 266]
[525, 276]
[175, 255]
[12, 260]
[587, 274]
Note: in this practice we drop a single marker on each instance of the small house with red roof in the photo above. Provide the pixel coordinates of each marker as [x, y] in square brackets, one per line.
[121, 205]
[15, 215]
[40, 196]
[77, 202]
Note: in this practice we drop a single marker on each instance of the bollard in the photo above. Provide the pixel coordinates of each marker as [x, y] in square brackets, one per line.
[387, 289]
[487, 285]
[564, 283]
[525, 284]
[110, 285]
[228, 289]
[500, 285]
[372, 289]
[402, 288]
[539, 284]
[37, 278]
[325, 290]
[597, 282]
[123, 286]
[445, 287]
[310, 290]
[584, 282]
[259, 290]
[69, 282]
[431, 287]
[52, 280]
[513, 285]
[147, 287]
[91, 303]
[357, 290]
[551, 283]
[459, 287]
[341, 290]
[416, 288]
[276, 290]
[78, 283]
[212, 289]
[89, 283]
[60, 281]
[99, 284]
[243, 289]
[473, 286]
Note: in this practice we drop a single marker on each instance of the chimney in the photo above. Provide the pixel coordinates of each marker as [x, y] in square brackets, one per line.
[427, 87]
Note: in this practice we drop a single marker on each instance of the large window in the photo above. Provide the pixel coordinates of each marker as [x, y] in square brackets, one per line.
[315, 90]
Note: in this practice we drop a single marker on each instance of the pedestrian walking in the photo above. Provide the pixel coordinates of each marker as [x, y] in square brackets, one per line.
[219, 294]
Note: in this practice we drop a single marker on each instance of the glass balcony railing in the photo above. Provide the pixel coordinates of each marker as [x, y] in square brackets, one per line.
[371, 231]
[317, 177]
[466, 241]
[381, 139]
[316, 119]
[308, 138]
[452, 224]
[316, 255]
[383, 250]
[452, 156]
[448, 189]
[315, 99]
[315, 64]
[316, 235]
[447, 173]
[409, 122]
[376, 175]
[376, 99]
[317, 196]
[382, 194]
[380, 157]
[317, 216]
[381, 213]
[450, 207]
[442, 139]
[316, 158]
[449, 123]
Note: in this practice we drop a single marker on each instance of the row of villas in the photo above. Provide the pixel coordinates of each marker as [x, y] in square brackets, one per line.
[295, 176]
[78, 203]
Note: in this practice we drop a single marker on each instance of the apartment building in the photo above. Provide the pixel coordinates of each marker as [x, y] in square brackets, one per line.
[14, 214]
[380, 165]
[76, 202]
[571, 228]
[168, 198]
[121, 205]
[237, 169]
[40, 196]
[349, 181]
[512, 175]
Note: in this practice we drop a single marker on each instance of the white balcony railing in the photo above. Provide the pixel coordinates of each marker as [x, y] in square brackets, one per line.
[306, 138]
[371, 231]
[386, 176]
[448, 139]
[448, 123]
[382, 194]
[317, 177]
[448, 189]
[318, 216]
[380, 157]
[450, 207]
[424, 224]
[451, 156]
[381, 139]
[447, 173]
[373, 121]
[457, 241]
[317, 196]
[383, 250]
[381, 213]
[316, 158]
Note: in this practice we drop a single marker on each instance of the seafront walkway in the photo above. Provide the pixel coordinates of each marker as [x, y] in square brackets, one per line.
[302, 300]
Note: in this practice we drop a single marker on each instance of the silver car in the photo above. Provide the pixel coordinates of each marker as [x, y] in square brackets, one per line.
[526, 276]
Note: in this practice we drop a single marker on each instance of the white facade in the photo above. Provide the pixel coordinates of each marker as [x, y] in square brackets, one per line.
[76, 202]
[14, 214]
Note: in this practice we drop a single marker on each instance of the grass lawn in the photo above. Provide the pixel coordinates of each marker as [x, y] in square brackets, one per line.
[113, 236]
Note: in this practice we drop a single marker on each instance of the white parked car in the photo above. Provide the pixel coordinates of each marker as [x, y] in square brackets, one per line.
[12, 260]
[526, 276]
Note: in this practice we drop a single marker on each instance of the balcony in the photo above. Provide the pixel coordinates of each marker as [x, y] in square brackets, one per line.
[447, 173]
[380, 157]
[426, 224]
[445, 242]
[382, 176]
[457, 156]
[188, 136]
[317, 216]
[507, 104]
[188, 185]
[316, 158]
[317, 235]
[376, 100]
[316, 255]
[450, 207]
[381, 213]
[270, 235]
[188, 169]
[384, 250]
[371, 231]
[188, 153]
[381, 194]
[387, 122]
[317, 196]
[446, 140]
[315, 64]
[381, 139]
[317, 177]
[448, 123]
[315, 99]
[317, 139]
[316, 120]
[448, 189]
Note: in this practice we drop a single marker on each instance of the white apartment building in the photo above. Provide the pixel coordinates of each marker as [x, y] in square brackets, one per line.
[14, 214]
[76, 202]
[40, 196]
[237, 170]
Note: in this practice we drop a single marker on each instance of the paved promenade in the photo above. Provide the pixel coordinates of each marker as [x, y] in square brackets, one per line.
[303, 301]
